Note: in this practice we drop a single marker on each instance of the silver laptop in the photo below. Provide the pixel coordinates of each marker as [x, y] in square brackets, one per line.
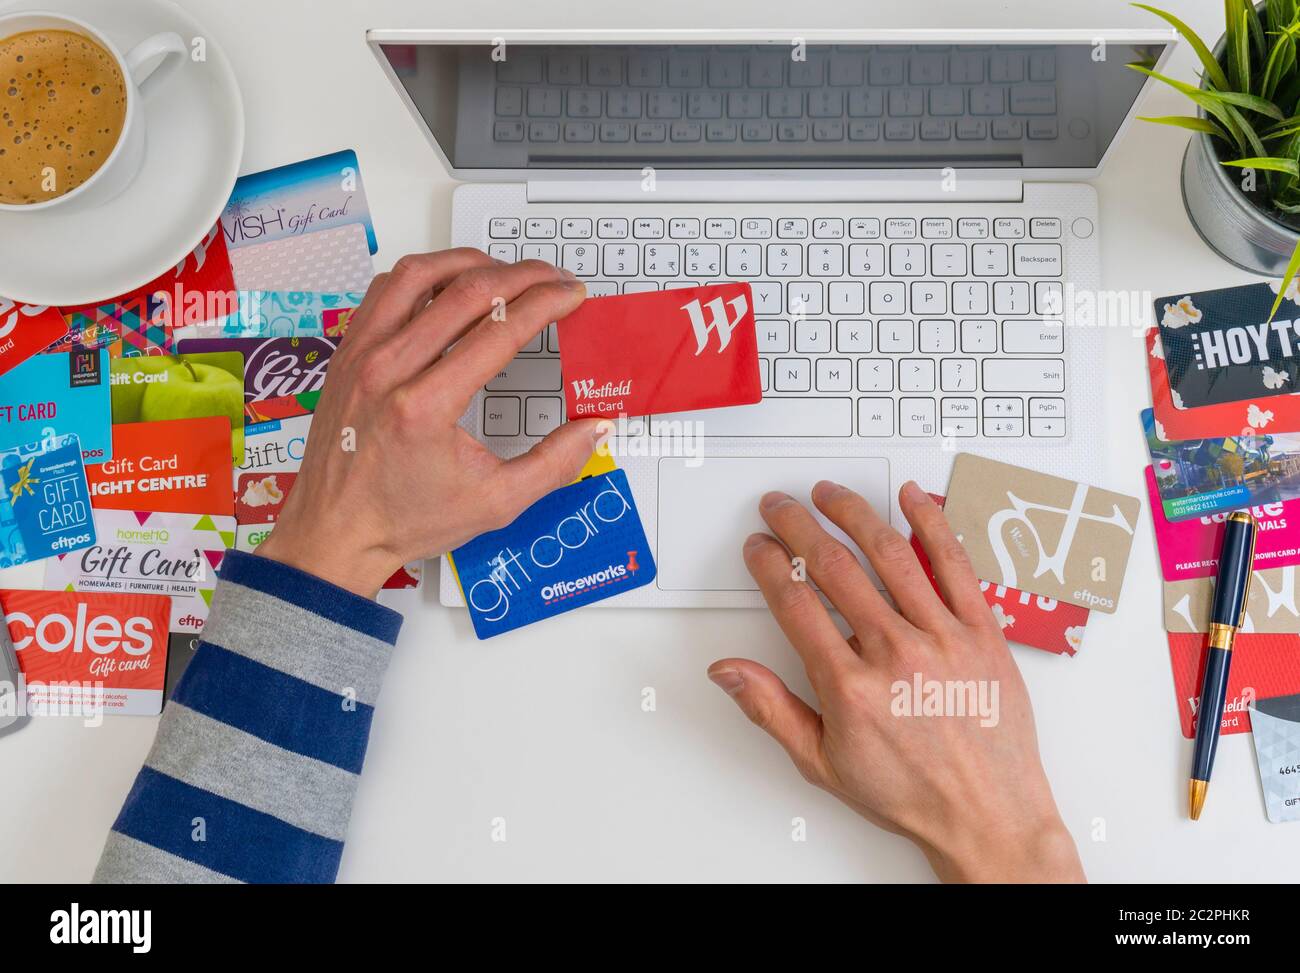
[923, 259]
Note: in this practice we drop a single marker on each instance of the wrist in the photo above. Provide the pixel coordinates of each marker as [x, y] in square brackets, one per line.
[1034, 849]
[362, 572]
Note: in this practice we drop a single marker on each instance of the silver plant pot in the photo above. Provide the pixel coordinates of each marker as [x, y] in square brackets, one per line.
[1229, 223]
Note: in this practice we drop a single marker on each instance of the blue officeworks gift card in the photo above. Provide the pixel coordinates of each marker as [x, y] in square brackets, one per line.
[45, 505]
[581, 544]
[59, 395]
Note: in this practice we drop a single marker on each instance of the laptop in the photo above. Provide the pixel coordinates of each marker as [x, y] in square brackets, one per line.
[907, 209]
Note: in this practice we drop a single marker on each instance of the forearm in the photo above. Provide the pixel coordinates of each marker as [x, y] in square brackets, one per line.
[255, 766]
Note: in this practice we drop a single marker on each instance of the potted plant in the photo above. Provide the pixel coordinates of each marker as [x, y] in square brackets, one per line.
[1241, 171]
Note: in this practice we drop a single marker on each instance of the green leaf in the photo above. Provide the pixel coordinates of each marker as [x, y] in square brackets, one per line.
[1253, 103]
[1256, 30]
[1212, 68]
[1281, 61]
[1289, 276]
[1228, 116]
[1271, 163]
[1193, 122]
[1237, 48]
[1286, 207]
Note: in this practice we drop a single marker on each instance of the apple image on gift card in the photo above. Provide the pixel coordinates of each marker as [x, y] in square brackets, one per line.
[156, 388]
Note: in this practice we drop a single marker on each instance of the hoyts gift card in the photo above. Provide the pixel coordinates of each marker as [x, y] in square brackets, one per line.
[87, 653]
[661, 351]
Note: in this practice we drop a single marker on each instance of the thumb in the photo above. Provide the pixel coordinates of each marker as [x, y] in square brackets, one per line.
[554, 462]
[772, 707]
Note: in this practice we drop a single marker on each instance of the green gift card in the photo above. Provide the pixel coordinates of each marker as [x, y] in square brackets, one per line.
[152, 388]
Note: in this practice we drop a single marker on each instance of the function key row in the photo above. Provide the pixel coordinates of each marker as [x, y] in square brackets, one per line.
[782, 228]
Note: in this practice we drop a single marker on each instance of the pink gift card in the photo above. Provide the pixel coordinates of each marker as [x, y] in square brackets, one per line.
[1190, 548]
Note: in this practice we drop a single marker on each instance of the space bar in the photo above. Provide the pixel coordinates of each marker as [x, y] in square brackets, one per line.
[772, 418]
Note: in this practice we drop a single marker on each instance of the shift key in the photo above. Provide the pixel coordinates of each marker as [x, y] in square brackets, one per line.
[527, 375]
[1024, 375]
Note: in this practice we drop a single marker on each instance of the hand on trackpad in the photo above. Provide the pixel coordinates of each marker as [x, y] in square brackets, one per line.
[706, 512]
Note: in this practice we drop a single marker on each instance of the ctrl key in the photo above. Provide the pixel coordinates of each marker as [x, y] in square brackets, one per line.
[501, 415]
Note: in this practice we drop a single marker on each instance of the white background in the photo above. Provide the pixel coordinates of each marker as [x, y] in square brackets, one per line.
[544, 727]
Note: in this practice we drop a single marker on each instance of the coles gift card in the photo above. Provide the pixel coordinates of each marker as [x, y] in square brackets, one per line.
[660, 351]
[179, 466]
[90, 652]
[26, 330]
[1033, 620]
[1262, 666]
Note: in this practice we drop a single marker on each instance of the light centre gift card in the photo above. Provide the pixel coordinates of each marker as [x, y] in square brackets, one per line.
[173, 466]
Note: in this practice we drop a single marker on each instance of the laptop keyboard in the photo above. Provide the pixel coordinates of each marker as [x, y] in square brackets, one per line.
[916, 328]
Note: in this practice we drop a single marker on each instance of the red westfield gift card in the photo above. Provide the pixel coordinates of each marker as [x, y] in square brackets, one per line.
[660, 351]
[1263, 666]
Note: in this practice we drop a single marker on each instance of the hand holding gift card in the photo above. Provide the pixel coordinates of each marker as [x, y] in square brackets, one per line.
[661, 351]
[1042, 533]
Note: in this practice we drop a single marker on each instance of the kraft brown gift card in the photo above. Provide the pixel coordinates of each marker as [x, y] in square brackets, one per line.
[1041, 533]
[1272, 607]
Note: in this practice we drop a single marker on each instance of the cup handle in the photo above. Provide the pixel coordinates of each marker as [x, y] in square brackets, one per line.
[155, 57]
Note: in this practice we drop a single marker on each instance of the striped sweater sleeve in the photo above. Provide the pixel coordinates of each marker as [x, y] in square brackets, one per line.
[253, 772]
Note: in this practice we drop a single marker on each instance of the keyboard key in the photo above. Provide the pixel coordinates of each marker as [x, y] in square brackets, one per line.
[804, 297]
[948, 259]
[826, 260]
[508, 132]
[640, 286]
[812, 337]
[648, 228]
[828, 228]
[1045, 228]
[792, 375]
[776, 418]
[979, 337]
[897, 337]
[958, 408]
[1024, 375]
[773, 337]
[1047, 408]
[527, 374]
[502, 251]
[937, 228]
[1046, 428]
[1009, 227]
[601, 288]
[756, 229]
[745, 259]
[767, 296]
[1033, 337]
[720, 228]
[916, 375]
[995, 428]
[501, 228]
[703, 259]
[662, 259]
[937, 337]
[540, 229]
[907, 259]
[916, 417]
[501, 415]
[958, 374]
[973, 228]
[875, 375]
[576, 228]
[684, 229]
[612, 228]
[929, 297]
[1048, 297]
[852, 337]
[876, 418]
[621, 260]
[834, 375]
[1038, 260]
[792, 228]
[888, 297]
[542, 415]
[539, 251]
[989, 259]
[784, 260]
[900, 228]
[970, 297]
[867, 259]
[1004, 408]
[580, 258]
[1011, 297]
[847, 297]
[957, 428]
[864, 228]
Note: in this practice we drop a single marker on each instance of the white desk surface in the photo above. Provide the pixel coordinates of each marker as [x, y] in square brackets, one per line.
[544, 728]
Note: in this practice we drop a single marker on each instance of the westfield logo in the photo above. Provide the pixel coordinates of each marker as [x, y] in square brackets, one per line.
[718, 320]
[586, 388]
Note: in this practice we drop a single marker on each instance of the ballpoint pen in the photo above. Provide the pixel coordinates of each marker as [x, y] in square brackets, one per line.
[1236, 561]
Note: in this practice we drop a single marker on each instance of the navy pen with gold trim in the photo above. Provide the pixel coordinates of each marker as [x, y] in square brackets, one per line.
[1236, 560]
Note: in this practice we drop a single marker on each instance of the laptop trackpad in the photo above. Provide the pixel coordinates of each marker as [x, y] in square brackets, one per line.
[706, 512]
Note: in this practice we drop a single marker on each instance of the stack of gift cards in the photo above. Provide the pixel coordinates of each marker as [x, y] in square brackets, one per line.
[1223, 434]
[1047, 551]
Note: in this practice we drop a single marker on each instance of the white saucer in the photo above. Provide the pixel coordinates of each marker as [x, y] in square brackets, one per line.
[195, 142]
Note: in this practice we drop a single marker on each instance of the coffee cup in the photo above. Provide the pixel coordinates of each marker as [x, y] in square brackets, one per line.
[94, 182]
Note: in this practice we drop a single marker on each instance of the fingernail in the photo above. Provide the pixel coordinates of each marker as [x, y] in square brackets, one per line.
[567, 274]
[730, 681]
[913, 492]
[827, 489]
[775, 499]
[754, 540]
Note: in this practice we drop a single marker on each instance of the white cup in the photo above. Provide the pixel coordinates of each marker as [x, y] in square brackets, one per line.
[140, 66]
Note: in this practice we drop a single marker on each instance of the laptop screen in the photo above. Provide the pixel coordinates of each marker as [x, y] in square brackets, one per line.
[771, 106]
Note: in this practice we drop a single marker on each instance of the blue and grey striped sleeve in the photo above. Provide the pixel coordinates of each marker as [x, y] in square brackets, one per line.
[253, 772]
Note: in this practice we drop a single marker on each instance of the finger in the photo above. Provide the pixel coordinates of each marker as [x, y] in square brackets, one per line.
[887, 550]
[769, 704]
[834, 567]
[554, 462]
[412, 283]
[800, 613]
[948, 559]
[357, 324]
[478, 295]
[495, 340]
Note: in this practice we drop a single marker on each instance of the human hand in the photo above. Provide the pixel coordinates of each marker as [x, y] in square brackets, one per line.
[388, 476]
[970, 789]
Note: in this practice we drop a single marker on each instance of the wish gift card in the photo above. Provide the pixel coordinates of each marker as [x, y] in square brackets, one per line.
[1272, 607]
[26, 330]
[1279, 413]
[88, 649]
[174, 466]
[1275, 726]
[281, 375]
[155, 388]
[59, 395]
[1200, 476]
[1262, 666]
[45, 506]
[1033, 620]
[661, 351]
[1220, 345]
[139, 552]
[1041, 533]
[1190, 548]
[304, 225]
[581, 544]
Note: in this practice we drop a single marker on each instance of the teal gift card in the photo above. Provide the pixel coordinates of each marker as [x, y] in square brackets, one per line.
[45, 507]
[63, 394]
